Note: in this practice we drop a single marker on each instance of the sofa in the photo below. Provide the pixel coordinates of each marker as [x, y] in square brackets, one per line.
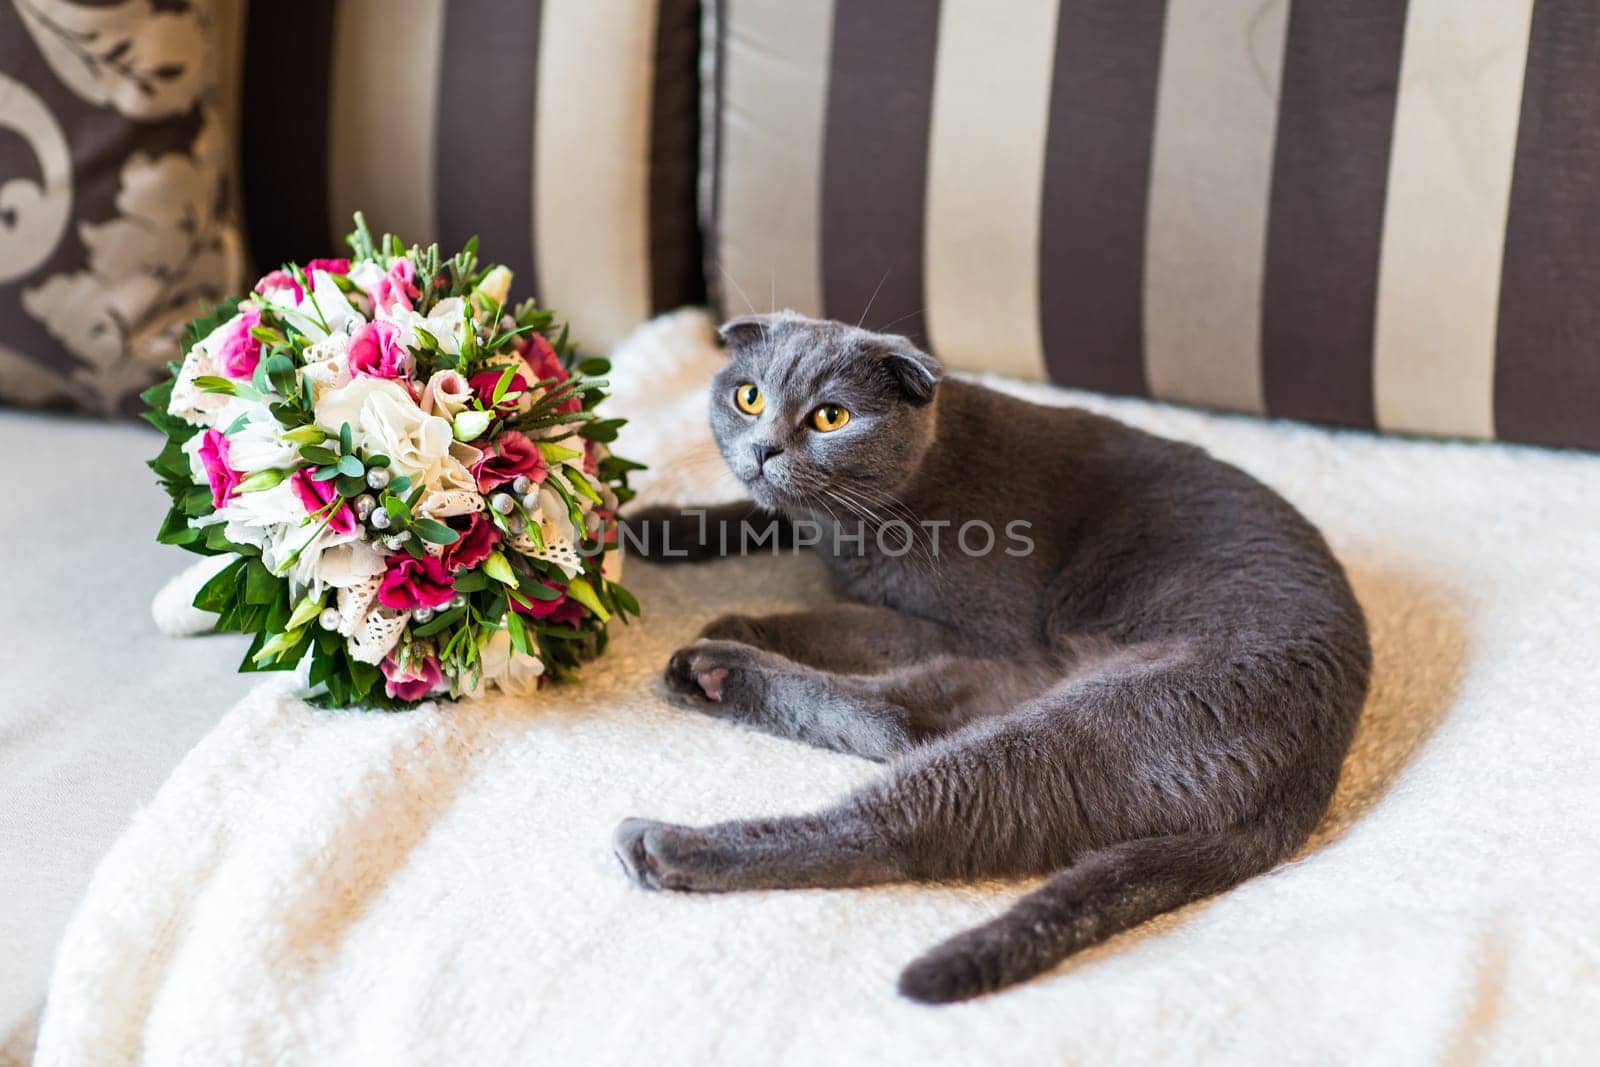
[1351, 247]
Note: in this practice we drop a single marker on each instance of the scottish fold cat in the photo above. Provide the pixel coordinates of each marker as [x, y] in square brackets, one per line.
[1143, 687]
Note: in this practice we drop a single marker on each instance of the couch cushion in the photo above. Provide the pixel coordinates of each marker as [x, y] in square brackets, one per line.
[1365, 213]
[116, 193]
[562, 132]
[97, 705]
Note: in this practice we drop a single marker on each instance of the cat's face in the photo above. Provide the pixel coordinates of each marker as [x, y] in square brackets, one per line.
[812, 414]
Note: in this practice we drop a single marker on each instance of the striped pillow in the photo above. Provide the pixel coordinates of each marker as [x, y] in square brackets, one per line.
[1364, 212]
[563, 132]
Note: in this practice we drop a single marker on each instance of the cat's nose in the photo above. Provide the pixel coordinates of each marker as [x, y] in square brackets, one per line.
[764, 452]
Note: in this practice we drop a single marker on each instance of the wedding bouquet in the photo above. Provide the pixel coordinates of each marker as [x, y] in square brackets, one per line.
[410, 476]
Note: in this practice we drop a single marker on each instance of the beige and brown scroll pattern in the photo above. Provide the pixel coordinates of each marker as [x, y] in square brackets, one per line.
[172, 242]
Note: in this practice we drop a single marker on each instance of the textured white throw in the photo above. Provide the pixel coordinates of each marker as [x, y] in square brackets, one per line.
[437, 887]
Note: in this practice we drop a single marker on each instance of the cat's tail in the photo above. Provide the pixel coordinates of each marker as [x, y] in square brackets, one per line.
[1102, 894]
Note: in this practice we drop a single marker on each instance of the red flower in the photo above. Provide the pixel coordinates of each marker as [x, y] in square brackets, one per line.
[544, 364]
[563, 609]
[411, 583]
[315, 496]
[477, 539]
[507, 458]
[483, 384]
[415, 681]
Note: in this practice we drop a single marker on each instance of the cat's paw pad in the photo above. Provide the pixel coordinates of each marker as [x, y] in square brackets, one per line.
[708, 672]
[647, 851]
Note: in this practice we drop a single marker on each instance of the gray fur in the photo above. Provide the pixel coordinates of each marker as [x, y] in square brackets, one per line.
[1150, 707]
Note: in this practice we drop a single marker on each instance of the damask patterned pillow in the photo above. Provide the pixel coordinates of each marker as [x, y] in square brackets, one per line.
[116, 192]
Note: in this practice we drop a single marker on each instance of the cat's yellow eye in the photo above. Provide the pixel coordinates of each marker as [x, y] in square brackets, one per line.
[748, 399]
[829, 417]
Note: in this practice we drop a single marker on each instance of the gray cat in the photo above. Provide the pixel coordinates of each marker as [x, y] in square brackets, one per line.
[1151, 705]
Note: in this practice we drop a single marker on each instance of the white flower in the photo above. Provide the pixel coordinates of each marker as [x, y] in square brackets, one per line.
[321, 312]
[446, 394]
[555, 523]
[189, 402]
[257, 444]
[512, 672]
[446, 324]
[384, 419]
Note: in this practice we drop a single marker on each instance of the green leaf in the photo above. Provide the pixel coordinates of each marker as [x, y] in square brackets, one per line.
[210, 383]
[322, 457]
[439, 623]
[594, 366]
[349, 487]
[625, 600]
[555, 453]
[471, 581]
[518, 634]
[399, 513]
[325, 474]
[501, 385]
[435, 532]
[380, 461]
[344, 438]
[351, 465]
[221, 589]
[580, 590]
[260, 585]
[498, 568]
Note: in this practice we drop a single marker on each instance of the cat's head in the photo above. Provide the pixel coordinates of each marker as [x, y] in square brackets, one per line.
[807, 412]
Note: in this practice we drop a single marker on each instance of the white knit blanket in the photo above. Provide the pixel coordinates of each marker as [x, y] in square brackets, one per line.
[438, 887]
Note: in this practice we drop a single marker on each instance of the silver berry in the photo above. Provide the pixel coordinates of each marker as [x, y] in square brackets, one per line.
[329, 619]
[365, 503]
[380, 519]
[395, 540]
[502, 503]
[422, 615]
[459, 600]
[378, 477]
[522, 484]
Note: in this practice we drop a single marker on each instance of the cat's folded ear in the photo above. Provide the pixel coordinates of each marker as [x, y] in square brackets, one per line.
[916, 372]
[740, 332]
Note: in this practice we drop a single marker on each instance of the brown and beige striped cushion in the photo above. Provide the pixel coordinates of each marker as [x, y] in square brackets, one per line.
[1365, 212]
[563, 132]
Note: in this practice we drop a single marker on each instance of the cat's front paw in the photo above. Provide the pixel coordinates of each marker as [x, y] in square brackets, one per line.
[649, 853]
[710, 673]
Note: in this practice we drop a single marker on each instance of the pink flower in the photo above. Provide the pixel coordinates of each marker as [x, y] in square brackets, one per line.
[396, 288]
[315, 496]
[281, 279]
[508, 457]
[413, 681]
[477, 540]
[224, 479]
[563, 609]
[375, 351]
[411, 583]
[331, 266]
[240, 351]
[544, 364]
